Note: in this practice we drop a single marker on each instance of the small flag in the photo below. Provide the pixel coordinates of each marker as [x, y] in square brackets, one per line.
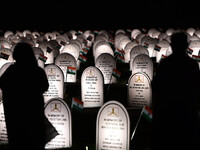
[163, 57]
[189, 50]
[111, 41]
[63, 43]
[116, 73]
[96, 31]
[119, 52]
[77, 104]
[128, 30]
[85, 42]
[146, 45]
[49, 50]
[82, 58]
[71, 70]
[136, 41]
[86, 47]
[121, 58]
[147, 113]
[195, 57]
[83, 51]
[157, 48]
[80, 32]
[4, 56]
[43, 58]
[144, 30]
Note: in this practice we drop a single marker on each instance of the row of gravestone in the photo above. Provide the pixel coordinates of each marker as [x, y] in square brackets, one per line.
[112, 125]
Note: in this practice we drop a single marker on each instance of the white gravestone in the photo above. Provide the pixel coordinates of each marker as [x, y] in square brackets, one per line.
[63, 61]
[5, 56]
[113, 127]
[74, 50]
[136, 51]
[139, 91]
[38, 52]
[143, 63]
[127, 50]
[3, 130]
[165, 48]
[106, 62]
[195, 46]
[56, 82]
[58, 113]
[92, 84]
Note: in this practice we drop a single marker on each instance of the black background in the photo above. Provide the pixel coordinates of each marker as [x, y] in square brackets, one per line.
[83, 15]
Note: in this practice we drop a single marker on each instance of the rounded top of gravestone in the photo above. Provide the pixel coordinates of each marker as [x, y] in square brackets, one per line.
[163, 44]
[4, 44]
[104, 32]
[151, 32]
[144, 39]
[118, 38]
[123, 42]
[162, 36]
[7, 33]
[194, 44]
[193, 38]
[139, 37]
[73, 33]
[35, 34]
[26, 32]
[102, 37]
[190, 31]
[134, 33]
[19, 34]
[197, 32]
[156, 34]
[170, 31]
[120, 31]
[139, 49]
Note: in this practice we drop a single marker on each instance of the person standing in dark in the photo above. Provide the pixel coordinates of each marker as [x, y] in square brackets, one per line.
[23, 85]
[176, 89]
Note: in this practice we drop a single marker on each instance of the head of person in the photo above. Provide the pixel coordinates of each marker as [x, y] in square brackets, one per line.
[23, 54]
[179, 42]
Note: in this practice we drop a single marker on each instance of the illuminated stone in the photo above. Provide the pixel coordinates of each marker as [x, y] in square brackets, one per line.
[113, 127]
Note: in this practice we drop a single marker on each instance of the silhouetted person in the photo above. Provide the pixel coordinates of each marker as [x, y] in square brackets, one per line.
[175, 99]
[23, 84]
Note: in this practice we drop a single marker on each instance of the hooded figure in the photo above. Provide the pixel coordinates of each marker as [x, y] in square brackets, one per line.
[23, 85]
[176, 89]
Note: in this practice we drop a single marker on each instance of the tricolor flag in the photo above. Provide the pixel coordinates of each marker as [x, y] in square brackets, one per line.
[157, 48]
[80, 32]
[189, 50]
[96, 31]
[144, 30]
[195, 57]
[49, 50]
[63, 43]
[71, 70]
[86, 47]
[146, 45]
[119, 52]
[116, 73]
[83, 51]
[121, 58]
[136, 41]
[111, 41]
[43, 58]
[77, 104]
[147, 113]
[82, 58]
[128, 30]
[163, 57]
[4, 56]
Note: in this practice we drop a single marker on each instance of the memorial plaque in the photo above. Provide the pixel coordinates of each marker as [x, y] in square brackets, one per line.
[127, 50]
[112, 127]
[106, 62]
[74, 50]
[136, 51]
[92, 84]
[143, 63]
[139, 91]
[195, 46]
[3, 130]
[5, 56]
[2, 70]
[58, 113]
[165, 46]
[48, 52]
[56, 82]
[64, 61]
[38, 52]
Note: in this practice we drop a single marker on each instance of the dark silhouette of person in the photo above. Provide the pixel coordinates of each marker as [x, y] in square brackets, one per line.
[176, 89]
[23, 84]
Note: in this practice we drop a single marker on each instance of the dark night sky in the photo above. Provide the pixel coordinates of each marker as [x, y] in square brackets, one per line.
[59, 15]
